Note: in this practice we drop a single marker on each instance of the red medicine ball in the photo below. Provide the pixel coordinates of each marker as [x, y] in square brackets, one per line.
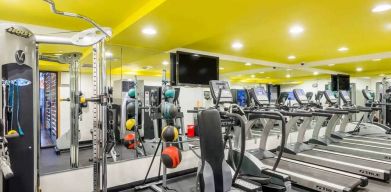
[171, 157]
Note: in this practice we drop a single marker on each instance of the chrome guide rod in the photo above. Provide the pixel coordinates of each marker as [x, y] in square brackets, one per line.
[69, 14]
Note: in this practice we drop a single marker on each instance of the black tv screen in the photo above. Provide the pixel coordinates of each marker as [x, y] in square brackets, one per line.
[340, 82]
[196, 69]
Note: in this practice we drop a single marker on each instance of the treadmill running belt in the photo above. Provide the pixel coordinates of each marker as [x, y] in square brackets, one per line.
[298, 171]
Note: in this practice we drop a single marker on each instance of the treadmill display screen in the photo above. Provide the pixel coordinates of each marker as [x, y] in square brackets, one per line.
[261, 94]
[368, 95]
[345, 95]
[226, 95]
[301, 95]
[330, 95]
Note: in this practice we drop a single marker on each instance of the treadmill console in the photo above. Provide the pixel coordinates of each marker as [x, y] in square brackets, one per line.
[282, 98]
[300, 96]
[345, 96]
[329, 95]
[367, 94]
[226, 95]
[259, 95]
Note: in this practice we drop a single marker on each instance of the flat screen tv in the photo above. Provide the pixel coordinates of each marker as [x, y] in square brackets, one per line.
[340, 82]
[196, 69]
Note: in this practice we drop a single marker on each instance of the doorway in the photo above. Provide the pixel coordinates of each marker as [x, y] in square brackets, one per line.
[48, 94]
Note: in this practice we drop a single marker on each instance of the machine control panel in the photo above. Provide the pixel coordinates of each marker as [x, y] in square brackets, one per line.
[300, 96]
[226, 95]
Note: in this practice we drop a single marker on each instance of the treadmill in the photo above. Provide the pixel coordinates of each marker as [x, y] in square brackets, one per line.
[329, 143]
[370, 102]
[305, 153]
[221, 94]
[306, 175]
[367, 133]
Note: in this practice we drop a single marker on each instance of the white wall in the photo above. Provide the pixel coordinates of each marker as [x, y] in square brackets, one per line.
[85, 125]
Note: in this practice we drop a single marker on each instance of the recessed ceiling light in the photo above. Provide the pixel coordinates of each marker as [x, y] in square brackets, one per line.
[248, 64]
[237, 45]
[381, 8]
[382, 75]
[289, 69]
[221, 68]
[288, 76]
[332, 64]
[196, 55]
[267, 77]
[150, 31]
[376, 59]
[252, 76]
[109, 54]
[147, 67]
[262, 72]
[343, 49]
[359, 69]
[316, 73]
[291, 57]
[165, 62]
[296, 29]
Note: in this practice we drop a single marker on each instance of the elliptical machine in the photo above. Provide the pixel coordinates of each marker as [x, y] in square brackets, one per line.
[251, 167]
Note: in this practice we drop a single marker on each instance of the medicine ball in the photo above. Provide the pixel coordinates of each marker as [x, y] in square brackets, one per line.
[169, 93]
[132, 93]
[169, 110]
[130, 124]
[131, 108]
[129, 141]
[170, 133]
[171, 157]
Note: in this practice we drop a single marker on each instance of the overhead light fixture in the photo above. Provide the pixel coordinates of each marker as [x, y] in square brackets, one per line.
[381, 8]
[262, 72]
[221, 68]
[332, 64]
[291, 57]
[316, 73]
[288, 76]
[252, 76]
[165, 62]
[267, 77]
[359, 69]
[150, 31]
[388, 26]
[343, 49]
[196, 55]
[237, 45]
[147, 67]
[382, 75]
[296, 29]
[378, 59]
[109, 54]
[248, 64]
[289, 69]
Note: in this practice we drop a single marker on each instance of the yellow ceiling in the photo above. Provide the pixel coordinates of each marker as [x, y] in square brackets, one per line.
[369, 67]
[212, 26]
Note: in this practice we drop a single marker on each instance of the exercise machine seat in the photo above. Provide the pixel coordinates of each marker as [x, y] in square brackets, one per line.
[214, 174]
